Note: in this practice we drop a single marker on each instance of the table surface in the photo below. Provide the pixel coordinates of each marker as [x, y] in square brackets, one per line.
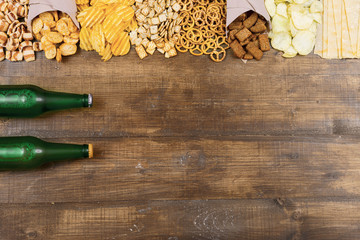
[186, 148]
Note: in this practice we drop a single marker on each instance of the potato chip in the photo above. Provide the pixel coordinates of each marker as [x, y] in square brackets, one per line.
[106, 54]
[91, 16]
[316, 7]
[97, 38]
[281, 41]
[121, 45]
[304, 42]
[301, 21]
[290, 52]
[293, 29]
[82, 2]
[270, 7]
[281, 9]
[317, 17]
[85, 42]
[280, 24]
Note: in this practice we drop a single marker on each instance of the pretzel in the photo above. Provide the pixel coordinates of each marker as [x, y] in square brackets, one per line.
[203, 24]
[218, 54]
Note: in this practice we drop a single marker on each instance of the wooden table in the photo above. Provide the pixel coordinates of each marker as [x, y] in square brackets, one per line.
[190, 149]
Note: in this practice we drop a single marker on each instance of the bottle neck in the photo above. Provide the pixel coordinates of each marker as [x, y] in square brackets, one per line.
[58, 152]
[59, 101]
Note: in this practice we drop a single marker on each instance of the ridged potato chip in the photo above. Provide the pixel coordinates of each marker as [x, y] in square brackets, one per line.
[121, 45]
[90, 16]
[304, 42]
[97, 38]
[106, 54]
[82, 2]
[105, 25]
[85, 42]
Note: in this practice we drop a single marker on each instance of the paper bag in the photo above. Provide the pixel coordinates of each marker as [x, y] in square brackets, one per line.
[237, 7]
[40, 6]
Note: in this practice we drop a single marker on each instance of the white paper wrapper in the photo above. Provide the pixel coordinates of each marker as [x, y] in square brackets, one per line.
[237, 7]
[40, 6]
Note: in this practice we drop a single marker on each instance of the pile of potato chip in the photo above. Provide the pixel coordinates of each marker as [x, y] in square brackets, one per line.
[105, 26]
[57, 33]
[294, 25]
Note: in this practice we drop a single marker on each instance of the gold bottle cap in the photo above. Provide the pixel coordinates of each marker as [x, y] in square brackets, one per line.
[91, 151]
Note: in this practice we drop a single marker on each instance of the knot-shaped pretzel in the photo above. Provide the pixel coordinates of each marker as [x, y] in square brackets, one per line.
[203, 24]
[218, 54]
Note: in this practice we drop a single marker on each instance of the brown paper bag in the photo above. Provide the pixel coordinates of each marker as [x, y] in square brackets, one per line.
[40, 6]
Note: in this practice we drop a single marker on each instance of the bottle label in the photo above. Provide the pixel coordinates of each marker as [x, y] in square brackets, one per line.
[17, 152]
[22, 98]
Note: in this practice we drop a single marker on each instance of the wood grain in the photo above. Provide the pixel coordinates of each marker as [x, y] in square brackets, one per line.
[301, 96]
[272, 219]
[171, 169]
[189, 149]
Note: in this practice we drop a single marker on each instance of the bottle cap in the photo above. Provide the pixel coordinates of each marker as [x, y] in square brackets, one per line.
[91, 151]
[90, 100]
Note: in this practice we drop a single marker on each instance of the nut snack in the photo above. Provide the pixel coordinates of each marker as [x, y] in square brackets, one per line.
[203, 26]
[14, 35]
[105, 26]
[158, 22]
[246, 36]
[57, 34]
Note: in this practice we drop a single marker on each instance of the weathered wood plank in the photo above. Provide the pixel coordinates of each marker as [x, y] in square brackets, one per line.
[172, 168]
[293, 97]
[266, 219]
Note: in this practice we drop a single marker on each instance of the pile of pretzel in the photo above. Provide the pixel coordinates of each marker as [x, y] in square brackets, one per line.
[203, 28]
[14, 35]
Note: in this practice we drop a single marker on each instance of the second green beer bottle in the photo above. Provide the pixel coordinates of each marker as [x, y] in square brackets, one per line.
[30, 101]
[18, 153]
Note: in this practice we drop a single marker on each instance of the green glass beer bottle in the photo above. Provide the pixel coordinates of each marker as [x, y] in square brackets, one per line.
[21, 153]
[31, 101]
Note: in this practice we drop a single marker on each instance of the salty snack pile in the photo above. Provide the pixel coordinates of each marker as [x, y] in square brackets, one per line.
[158, 22]
[294, 25]
[339, 36]
[14, 35]
[57, 33]
[203, 26]
[246, 36]
[105, 26]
